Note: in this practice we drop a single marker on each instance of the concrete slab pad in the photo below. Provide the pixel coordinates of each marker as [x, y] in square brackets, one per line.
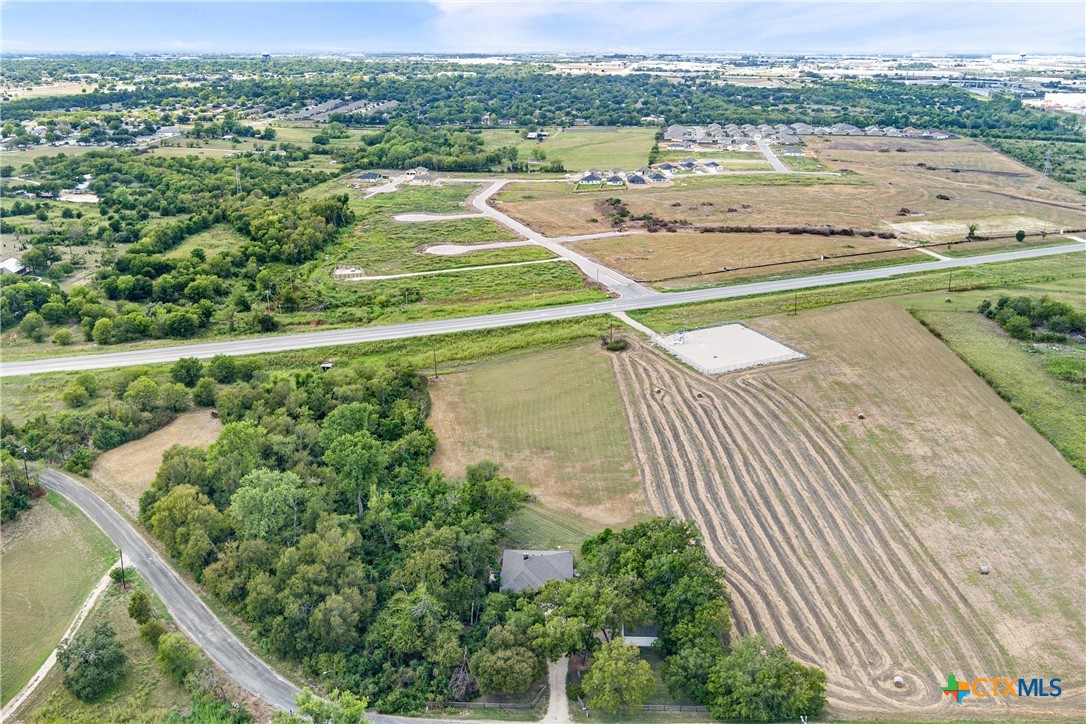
[727, 348]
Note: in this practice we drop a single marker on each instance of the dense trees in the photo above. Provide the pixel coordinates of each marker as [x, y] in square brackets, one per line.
[1019, 316]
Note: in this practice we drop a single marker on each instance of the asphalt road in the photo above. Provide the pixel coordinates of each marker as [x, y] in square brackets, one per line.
[188, 611]
[356, 335]
[770, 156]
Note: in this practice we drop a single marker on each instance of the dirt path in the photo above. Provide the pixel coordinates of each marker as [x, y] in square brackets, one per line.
[817, 557]
[558, 705]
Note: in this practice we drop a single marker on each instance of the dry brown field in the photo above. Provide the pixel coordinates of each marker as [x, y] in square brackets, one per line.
[997, 194]
[688, 258]
[856, 543]
[127, 471]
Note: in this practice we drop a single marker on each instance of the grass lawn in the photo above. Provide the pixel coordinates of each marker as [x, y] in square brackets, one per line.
[143, 695]
[218, 238]
[50, 560]
[582, 148]
[1016, 370]
[802, 163]
[554, 420]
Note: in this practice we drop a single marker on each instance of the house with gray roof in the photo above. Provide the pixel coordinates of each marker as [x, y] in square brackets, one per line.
[528, 570]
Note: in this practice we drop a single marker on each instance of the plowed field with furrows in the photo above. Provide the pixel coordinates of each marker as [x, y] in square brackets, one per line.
[816, 556]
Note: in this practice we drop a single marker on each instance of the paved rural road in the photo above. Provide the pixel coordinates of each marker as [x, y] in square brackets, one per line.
[770, 156]
[357, 335]
[188, 611]
[628, 288]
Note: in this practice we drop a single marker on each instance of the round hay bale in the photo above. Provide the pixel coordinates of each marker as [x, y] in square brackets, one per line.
[899, 682]
[985, 570]
[862, 416]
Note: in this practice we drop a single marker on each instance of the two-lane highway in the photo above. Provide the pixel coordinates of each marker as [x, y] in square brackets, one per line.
[280, 343]
[188, 611]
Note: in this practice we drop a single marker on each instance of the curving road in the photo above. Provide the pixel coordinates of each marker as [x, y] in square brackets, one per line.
[188, 611]
[356, 335]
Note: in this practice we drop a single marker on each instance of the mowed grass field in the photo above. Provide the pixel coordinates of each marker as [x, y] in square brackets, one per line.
[683, 259]
[144, 694]
[218, 238]
[1016, 369]
[122, 474]
[50, 560]
[554, 421]
[998, 194]
[580, 149]
[856, 543]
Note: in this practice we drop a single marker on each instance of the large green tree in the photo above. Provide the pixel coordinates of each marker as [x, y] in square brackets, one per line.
[93, 664]
[619, 680]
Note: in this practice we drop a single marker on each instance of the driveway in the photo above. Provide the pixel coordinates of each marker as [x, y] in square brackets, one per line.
[186, 608]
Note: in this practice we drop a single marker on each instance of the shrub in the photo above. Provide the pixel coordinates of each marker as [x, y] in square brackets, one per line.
[152, 631]
[616, 345]
[177, 657]
[187, 371]
[74, 396]
[204, 392]
[139, 608]
[80, 462]
[33, 326]
[126, 574]
[223, 368]
[63, 337]
[1018, 327]
[88, 382]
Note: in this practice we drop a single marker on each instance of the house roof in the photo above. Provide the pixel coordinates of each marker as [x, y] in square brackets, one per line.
[635, 179]
[11, 266]
[370, 176]
[524, 570]
[590, 179]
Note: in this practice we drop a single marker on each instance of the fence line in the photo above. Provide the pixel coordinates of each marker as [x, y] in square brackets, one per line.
[507, 706]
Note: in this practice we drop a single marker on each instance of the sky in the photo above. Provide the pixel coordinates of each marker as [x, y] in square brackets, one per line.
[495, 26]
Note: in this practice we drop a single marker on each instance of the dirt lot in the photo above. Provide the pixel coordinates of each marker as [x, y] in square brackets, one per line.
[857, 543]
[127, 471]
[989, 190]
[684, 258]
[572, 448]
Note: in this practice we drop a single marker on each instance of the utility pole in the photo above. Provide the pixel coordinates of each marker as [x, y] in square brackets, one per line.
[26, 470]
[237, 175]
[795, 304]
[435, 360]
[949, 281]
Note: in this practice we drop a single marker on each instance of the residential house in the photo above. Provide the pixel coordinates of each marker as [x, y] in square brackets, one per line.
[615, 181]
[591, 179]
[635, 180]
[12, 266]
[656, 177]
[640, 636]
[528, 570]
[370, 176]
